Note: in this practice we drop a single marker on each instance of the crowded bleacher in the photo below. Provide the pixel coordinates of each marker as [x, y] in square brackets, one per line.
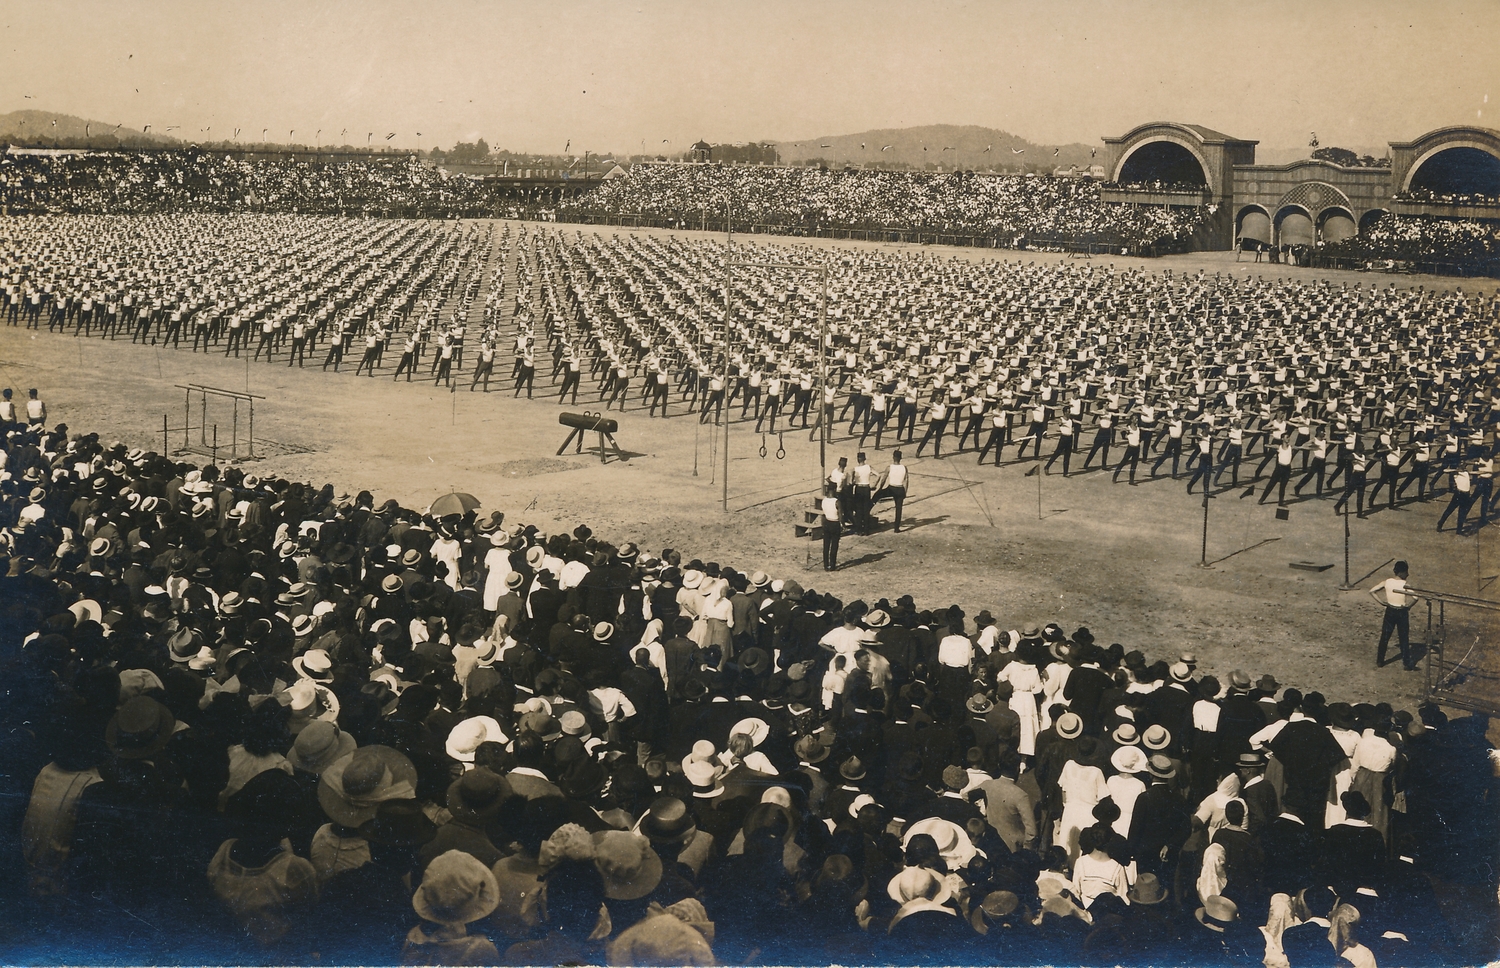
[133, 182]
[1011, 208]
[264, 721]
[1416, 238]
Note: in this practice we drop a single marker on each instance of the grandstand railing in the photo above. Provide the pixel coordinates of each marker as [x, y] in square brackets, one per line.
[1475, 268]
[1471, 680]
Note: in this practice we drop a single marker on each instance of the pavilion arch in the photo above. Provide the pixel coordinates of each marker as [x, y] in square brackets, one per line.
[1294, 226]
[1482, 141]
[1161, 140]
[1336, 223]
[1163, 160]
[1368, 220]
[1253, 222]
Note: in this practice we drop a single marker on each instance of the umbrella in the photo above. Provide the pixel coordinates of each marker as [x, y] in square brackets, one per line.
[457, 503]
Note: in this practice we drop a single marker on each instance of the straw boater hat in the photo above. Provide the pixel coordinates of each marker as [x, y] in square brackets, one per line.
[314, 664]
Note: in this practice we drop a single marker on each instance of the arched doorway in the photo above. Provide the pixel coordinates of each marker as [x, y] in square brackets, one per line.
[1253, 223]
[1294, 226]
[1336, 225]
[1460, 170]
[1368, 220]
[1165, 162]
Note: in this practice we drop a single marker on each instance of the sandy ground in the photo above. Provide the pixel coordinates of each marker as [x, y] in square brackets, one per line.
[1121, 560]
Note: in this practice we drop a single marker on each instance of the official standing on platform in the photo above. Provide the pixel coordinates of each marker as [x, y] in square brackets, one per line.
[832, 530]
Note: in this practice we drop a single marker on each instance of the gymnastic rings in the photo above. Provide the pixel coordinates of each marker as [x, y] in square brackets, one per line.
[762, 446]
[781, 446]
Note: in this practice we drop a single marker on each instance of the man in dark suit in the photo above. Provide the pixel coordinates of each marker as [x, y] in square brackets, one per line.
[1160, 822]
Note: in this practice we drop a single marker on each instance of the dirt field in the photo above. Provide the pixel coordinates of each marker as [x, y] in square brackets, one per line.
[1122, 560]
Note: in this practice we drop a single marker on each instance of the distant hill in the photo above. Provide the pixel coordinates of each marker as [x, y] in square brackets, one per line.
[35, 128]
[972, 147]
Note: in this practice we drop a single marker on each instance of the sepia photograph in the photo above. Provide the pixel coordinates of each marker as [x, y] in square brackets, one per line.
[749, 482]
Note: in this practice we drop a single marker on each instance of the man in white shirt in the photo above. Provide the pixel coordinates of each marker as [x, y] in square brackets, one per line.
[831, 527]
[895, 485]
[1398, 605]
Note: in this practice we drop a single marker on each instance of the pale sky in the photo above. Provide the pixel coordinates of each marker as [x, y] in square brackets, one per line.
[607, 77]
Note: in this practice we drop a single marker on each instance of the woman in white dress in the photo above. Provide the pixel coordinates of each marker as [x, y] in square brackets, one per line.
[1027, 683]
[1083, 786]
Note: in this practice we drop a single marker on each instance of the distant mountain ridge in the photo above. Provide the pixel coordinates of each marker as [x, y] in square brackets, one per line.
[36, 129]
[950, 146]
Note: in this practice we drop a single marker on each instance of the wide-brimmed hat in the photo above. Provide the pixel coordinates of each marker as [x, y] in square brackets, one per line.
[1069, 726]
[477, 796]
[996, 904]
[878, 619]
[87, 610]
[852, 769]
[1216, 912]
[754, 660]
[1180, 672]
[692, 578]
[1147, 889]
[456, 889]
[667, 821]
[603, 632]
[759, 579]
[353, 786]
[630, 868]
[139, 728]
[318, 745]
[979, 703]
[399, 823]
[952, 840]
[314, 664]
[918, 883]
[811, 750]
[753, 727]
[1128, 759]
[465, 737]
[1251, 760]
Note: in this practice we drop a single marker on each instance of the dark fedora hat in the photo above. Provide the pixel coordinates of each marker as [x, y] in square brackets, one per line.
[399, 823]
[668, 821]
[477, 796]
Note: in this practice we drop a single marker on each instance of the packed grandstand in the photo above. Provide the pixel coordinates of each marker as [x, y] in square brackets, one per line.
[995, 210]
[258, 720]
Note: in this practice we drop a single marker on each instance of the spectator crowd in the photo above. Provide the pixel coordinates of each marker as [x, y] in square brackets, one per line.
[1013, 209]
[1418, 238]
[265, 720]
[178, 182]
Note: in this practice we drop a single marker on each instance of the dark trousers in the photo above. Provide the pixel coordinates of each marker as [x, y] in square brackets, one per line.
[1279, 478]
[831, 535]
[1396, 620]
[1064, 450]
[1172, 450]
[898, 497]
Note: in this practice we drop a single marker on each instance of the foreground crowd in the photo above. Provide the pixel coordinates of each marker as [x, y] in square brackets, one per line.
[1013, 208]
[272, 723]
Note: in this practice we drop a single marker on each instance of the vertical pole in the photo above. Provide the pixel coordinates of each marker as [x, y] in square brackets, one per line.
[823, 369]
[214, 456]
[203, 417]
[1203, 559]
[234, 433]
[724, 393]
[1346, 543]
[187, 415]
[165, 450]
[250, 436]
